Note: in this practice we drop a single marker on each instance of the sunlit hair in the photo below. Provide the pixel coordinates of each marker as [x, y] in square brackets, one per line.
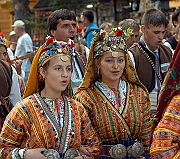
[103, 25]
[130, 23]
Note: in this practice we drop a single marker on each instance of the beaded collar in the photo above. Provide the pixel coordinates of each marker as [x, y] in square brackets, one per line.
[111, 96]
[62, 137]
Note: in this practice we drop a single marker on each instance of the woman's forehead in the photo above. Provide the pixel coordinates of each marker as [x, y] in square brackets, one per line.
[114, 54]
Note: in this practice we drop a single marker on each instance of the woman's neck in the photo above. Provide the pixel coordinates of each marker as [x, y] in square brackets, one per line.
[50, 94]
[113, 86]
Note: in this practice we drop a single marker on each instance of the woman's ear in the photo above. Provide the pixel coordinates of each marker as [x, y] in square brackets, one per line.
[42, 72]
[97, 63]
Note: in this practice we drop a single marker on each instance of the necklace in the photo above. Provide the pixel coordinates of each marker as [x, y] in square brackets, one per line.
[62, 137]
[117, 100]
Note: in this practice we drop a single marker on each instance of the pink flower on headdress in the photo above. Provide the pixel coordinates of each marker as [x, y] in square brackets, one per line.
[119, 32]
[49, 40]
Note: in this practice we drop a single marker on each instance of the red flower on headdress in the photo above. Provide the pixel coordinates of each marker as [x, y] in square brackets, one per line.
[49, 40]
[102, 36]
[2, 35]
[119, 32]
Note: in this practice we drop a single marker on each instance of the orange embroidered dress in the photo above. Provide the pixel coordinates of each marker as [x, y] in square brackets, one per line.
[50, 123]
[166, 137]
[118, 126]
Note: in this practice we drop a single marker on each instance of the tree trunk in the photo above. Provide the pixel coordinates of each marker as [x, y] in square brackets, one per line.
[21, 8]
[21, 11]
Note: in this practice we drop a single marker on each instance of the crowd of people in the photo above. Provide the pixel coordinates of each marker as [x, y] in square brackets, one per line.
[107, 92]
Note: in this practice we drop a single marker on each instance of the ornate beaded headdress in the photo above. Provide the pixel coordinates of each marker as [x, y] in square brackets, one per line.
[111, 42]
[53, 48]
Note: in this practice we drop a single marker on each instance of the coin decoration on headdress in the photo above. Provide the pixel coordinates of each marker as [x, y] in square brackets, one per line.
[56, 48]
[111, 42]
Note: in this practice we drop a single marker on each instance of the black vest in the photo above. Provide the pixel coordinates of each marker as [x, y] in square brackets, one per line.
[144, 69]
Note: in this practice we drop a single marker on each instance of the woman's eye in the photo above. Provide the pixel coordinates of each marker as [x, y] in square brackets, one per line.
[121, 60]
[69, 69]
[57, 68]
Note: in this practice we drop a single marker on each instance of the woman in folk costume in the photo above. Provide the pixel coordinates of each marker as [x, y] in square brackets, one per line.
[117, 103]
[4, 55]
[5, 88]
[9, 87]
[166, 136]
[46, 123]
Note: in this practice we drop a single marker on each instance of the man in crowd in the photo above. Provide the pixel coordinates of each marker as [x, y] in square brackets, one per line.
[62, 26]
[24, 46]
[87, 18]
[135, 27]
[150, 57]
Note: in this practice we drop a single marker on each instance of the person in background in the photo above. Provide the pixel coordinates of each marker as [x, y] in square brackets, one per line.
[80, 48]
[87, 18]
[117, 102]
[13, 41]
[80, 31]
[62, 26]
[165, 142]
[15, 63]
[9, 86]
[173, 40]
[46, 123]
[168, 31]
[135, 27]
[176, 17]
[150, 57]
[106, 26]
[24, 46]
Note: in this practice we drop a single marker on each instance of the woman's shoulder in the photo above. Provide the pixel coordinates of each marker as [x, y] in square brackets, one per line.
[29, 101]
[138, 90]
[75, 103]
[137, 87]
[85, 91]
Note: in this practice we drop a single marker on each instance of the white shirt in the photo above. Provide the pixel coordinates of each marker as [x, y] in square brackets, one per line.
[15, 94]
[24, 45]
[10, 53]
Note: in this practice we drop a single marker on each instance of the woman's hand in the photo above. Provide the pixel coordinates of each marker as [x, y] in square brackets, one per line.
[34, 153]
[84, 153]
[17, 65]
